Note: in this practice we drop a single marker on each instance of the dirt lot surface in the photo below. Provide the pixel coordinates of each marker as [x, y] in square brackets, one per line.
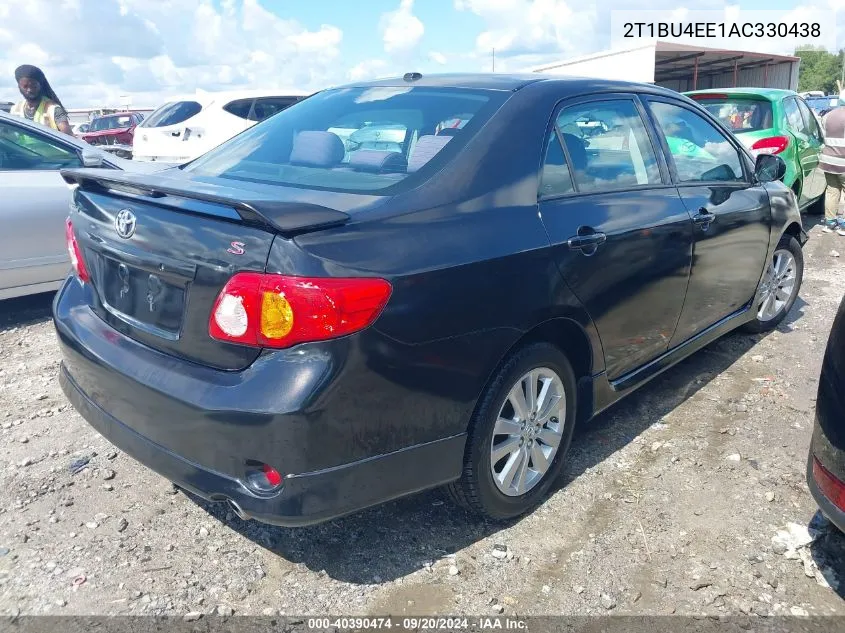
[688, 498]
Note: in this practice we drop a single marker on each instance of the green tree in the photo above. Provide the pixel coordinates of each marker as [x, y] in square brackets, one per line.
[819, 69]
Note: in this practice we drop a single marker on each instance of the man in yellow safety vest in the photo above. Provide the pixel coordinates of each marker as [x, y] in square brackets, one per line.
[40, 103]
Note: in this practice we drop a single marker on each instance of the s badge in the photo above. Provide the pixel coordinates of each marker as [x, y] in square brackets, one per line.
[236, 248]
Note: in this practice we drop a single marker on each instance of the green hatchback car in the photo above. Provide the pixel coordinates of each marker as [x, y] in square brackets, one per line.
[769, 121]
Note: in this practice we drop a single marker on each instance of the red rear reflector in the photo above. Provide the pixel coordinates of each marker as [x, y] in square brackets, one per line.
[770, 145]
[75, 252]
[829, 485]
[272, 475]
[280, 311]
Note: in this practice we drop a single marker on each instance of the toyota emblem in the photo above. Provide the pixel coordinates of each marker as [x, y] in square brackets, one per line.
[124, 223]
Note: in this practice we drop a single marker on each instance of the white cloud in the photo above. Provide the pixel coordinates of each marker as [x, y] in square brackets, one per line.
[438, 58]
[94, 50]
[401, 30]
[368, 69]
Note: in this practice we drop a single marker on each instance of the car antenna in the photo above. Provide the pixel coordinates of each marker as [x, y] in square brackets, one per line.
[412, 76]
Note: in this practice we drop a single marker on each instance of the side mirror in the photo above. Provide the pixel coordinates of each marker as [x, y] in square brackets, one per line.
[769, 168]
[91, 158]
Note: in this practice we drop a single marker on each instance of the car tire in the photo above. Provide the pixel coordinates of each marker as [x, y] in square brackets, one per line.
[783, 275]
[497, 419]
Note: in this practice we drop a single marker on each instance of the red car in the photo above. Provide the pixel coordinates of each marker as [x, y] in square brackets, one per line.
[113, 129]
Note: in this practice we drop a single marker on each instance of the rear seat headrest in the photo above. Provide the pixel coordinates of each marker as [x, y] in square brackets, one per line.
[313, 148]
[426, 149]
[378, 161]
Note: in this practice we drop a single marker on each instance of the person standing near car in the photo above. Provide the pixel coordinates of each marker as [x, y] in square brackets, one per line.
[832, 163]
[40, 103]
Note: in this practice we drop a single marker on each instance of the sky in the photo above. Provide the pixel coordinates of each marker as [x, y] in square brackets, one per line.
[93, 51]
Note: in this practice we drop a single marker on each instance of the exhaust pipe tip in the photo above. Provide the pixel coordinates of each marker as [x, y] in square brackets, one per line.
[243, 516]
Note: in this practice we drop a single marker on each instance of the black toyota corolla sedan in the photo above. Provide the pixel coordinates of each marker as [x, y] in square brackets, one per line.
[826, 461]
[401, 284]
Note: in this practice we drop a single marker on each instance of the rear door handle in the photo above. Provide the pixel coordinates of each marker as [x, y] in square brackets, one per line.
[704, 217]
[586, 242]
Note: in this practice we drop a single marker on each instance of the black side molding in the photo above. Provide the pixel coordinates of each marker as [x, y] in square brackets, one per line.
[288, 218]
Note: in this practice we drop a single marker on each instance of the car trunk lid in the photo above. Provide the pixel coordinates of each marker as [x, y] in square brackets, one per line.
[159, 251]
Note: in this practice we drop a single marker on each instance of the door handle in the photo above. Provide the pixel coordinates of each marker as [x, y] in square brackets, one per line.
[588, 241]
[704, 217]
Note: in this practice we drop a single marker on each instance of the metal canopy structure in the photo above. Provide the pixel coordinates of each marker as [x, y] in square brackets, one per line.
[684, 67]
[688, 64]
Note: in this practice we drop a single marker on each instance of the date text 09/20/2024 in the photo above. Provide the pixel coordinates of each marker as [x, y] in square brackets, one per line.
[721, 29]
[419, 623]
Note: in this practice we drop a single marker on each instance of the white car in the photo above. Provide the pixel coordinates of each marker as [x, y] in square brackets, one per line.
[184, 129]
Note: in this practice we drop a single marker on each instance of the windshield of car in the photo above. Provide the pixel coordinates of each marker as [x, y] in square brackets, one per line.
[741, 114]
[821, 104]
[113, 122]
[355, 139]
[172, 113]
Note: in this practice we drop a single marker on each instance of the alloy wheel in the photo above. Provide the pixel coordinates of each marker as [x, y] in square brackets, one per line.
[528, 431]
[778, 285]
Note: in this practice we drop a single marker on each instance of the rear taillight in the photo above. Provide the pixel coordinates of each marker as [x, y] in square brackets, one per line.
[770, 145]
[75, 252]
[280, 311]
[829, 485]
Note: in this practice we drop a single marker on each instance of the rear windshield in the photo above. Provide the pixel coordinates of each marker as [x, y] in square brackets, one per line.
[377, 140]
[740, 115]
[111, 122]
[172, 113]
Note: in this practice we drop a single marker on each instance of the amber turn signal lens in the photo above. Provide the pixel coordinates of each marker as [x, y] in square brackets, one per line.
[276, 316]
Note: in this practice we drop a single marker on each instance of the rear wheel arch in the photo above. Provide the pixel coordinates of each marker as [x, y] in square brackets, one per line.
[794, 230]
[567, 336]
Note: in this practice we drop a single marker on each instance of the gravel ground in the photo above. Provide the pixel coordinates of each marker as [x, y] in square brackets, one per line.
[687, 498]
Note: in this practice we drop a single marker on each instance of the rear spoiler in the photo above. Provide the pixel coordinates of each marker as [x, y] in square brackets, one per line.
[287, 218]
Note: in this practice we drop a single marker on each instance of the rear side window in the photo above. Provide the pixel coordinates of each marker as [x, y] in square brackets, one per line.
[355, 139]
[172, 114]
[240, 107]
[266, 107]
[608, 146]
[794, 120]
[700, 151]
[740, 115]
[555, 179]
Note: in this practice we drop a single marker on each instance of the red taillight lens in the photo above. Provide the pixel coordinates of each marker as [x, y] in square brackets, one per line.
[75, 252]
[829, 485]
[281, 311]
[770, 145]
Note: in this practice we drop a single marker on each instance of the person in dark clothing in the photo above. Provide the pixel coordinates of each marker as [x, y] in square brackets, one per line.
[40, 103]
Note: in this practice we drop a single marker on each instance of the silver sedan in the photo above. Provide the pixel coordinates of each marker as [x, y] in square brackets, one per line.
[34, 202]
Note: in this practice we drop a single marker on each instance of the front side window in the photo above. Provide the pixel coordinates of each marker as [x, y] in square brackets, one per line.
[700, 151]
[23, 150]
[608, 146]
[354, 139]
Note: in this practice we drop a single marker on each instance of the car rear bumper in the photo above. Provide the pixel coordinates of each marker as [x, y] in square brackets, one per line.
[198, 426]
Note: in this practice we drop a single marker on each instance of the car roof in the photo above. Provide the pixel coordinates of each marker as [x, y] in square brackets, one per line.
[772, 94]
[205, 98]
[569, 85]
[43, 129]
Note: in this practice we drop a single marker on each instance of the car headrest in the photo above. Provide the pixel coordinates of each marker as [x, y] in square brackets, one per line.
[577, 150]
[312, 148]
[425, 149]
[378, 161]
